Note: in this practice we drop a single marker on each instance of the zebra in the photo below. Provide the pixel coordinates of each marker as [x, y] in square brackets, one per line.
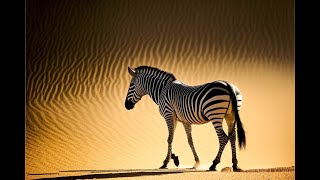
[178, 102]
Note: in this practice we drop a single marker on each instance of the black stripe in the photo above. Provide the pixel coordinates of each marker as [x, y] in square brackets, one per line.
[218, 84]
[214, 114]
[216, 92]
[204, 117]
[216, 122]
[193, 99]
[214, 119]
[196, 95]
[214, 102]
[215, 109]
[131, 87]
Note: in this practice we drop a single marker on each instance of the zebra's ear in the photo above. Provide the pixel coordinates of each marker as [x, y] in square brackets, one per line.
[131, 71]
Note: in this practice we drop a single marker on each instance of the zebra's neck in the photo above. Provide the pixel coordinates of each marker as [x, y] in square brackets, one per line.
[154, 86]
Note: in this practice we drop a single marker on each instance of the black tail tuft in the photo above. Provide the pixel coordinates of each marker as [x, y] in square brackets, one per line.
[240, 131]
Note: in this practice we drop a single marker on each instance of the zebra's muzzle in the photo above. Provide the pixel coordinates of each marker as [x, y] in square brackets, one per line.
[129, 105]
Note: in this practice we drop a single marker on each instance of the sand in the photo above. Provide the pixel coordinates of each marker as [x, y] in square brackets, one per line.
[284, 173]
[77, 54]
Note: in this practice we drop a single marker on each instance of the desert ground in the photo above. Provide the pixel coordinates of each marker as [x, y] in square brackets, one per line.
[284, 173]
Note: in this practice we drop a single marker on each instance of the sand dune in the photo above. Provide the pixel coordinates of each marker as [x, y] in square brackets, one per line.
[76, 66]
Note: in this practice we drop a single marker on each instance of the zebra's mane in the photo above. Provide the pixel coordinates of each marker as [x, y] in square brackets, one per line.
[156, 72]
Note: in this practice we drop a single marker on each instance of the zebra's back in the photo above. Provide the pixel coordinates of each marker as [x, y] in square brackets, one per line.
[201, 104]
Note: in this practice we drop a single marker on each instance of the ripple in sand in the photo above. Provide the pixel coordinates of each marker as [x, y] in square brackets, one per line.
[77, 55]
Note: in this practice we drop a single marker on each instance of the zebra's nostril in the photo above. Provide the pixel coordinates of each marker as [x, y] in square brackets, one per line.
[129, 105]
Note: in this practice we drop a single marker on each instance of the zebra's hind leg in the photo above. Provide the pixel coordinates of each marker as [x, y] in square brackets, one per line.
[171, 123]
[232, 137]
[223, 140]
[187, 128]
[230, 119]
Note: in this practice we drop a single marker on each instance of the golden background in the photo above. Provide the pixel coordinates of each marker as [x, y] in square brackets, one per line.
[76, 65]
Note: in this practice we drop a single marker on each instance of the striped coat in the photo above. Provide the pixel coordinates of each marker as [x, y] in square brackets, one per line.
[211, 102]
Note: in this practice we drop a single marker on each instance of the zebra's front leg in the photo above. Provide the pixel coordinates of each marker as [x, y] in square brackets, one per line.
[187, 128]
[171, 123]
[223, 140]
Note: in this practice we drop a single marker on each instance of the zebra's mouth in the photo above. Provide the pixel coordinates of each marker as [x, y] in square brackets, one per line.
[129, 105]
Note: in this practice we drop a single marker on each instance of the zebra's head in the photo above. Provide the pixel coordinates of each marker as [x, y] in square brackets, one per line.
[135, 91]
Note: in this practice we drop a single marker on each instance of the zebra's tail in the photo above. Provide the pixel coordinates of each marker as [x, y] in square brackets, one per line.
[240, 131]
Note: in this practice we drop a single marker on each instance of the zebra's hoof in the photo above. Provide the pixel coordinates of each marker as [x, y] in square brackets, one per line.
[175, 159]
[212, 168]
[196, 165]
[163, 167]
[237, 170]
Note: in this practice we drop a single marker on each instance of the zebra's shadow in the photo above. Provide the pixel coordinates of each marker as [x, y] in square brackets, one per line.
[93, 175]
[104, 174]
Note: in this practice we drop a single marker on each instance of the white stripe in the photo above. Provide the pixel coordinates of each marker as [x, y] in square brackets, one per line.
[222, 82]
